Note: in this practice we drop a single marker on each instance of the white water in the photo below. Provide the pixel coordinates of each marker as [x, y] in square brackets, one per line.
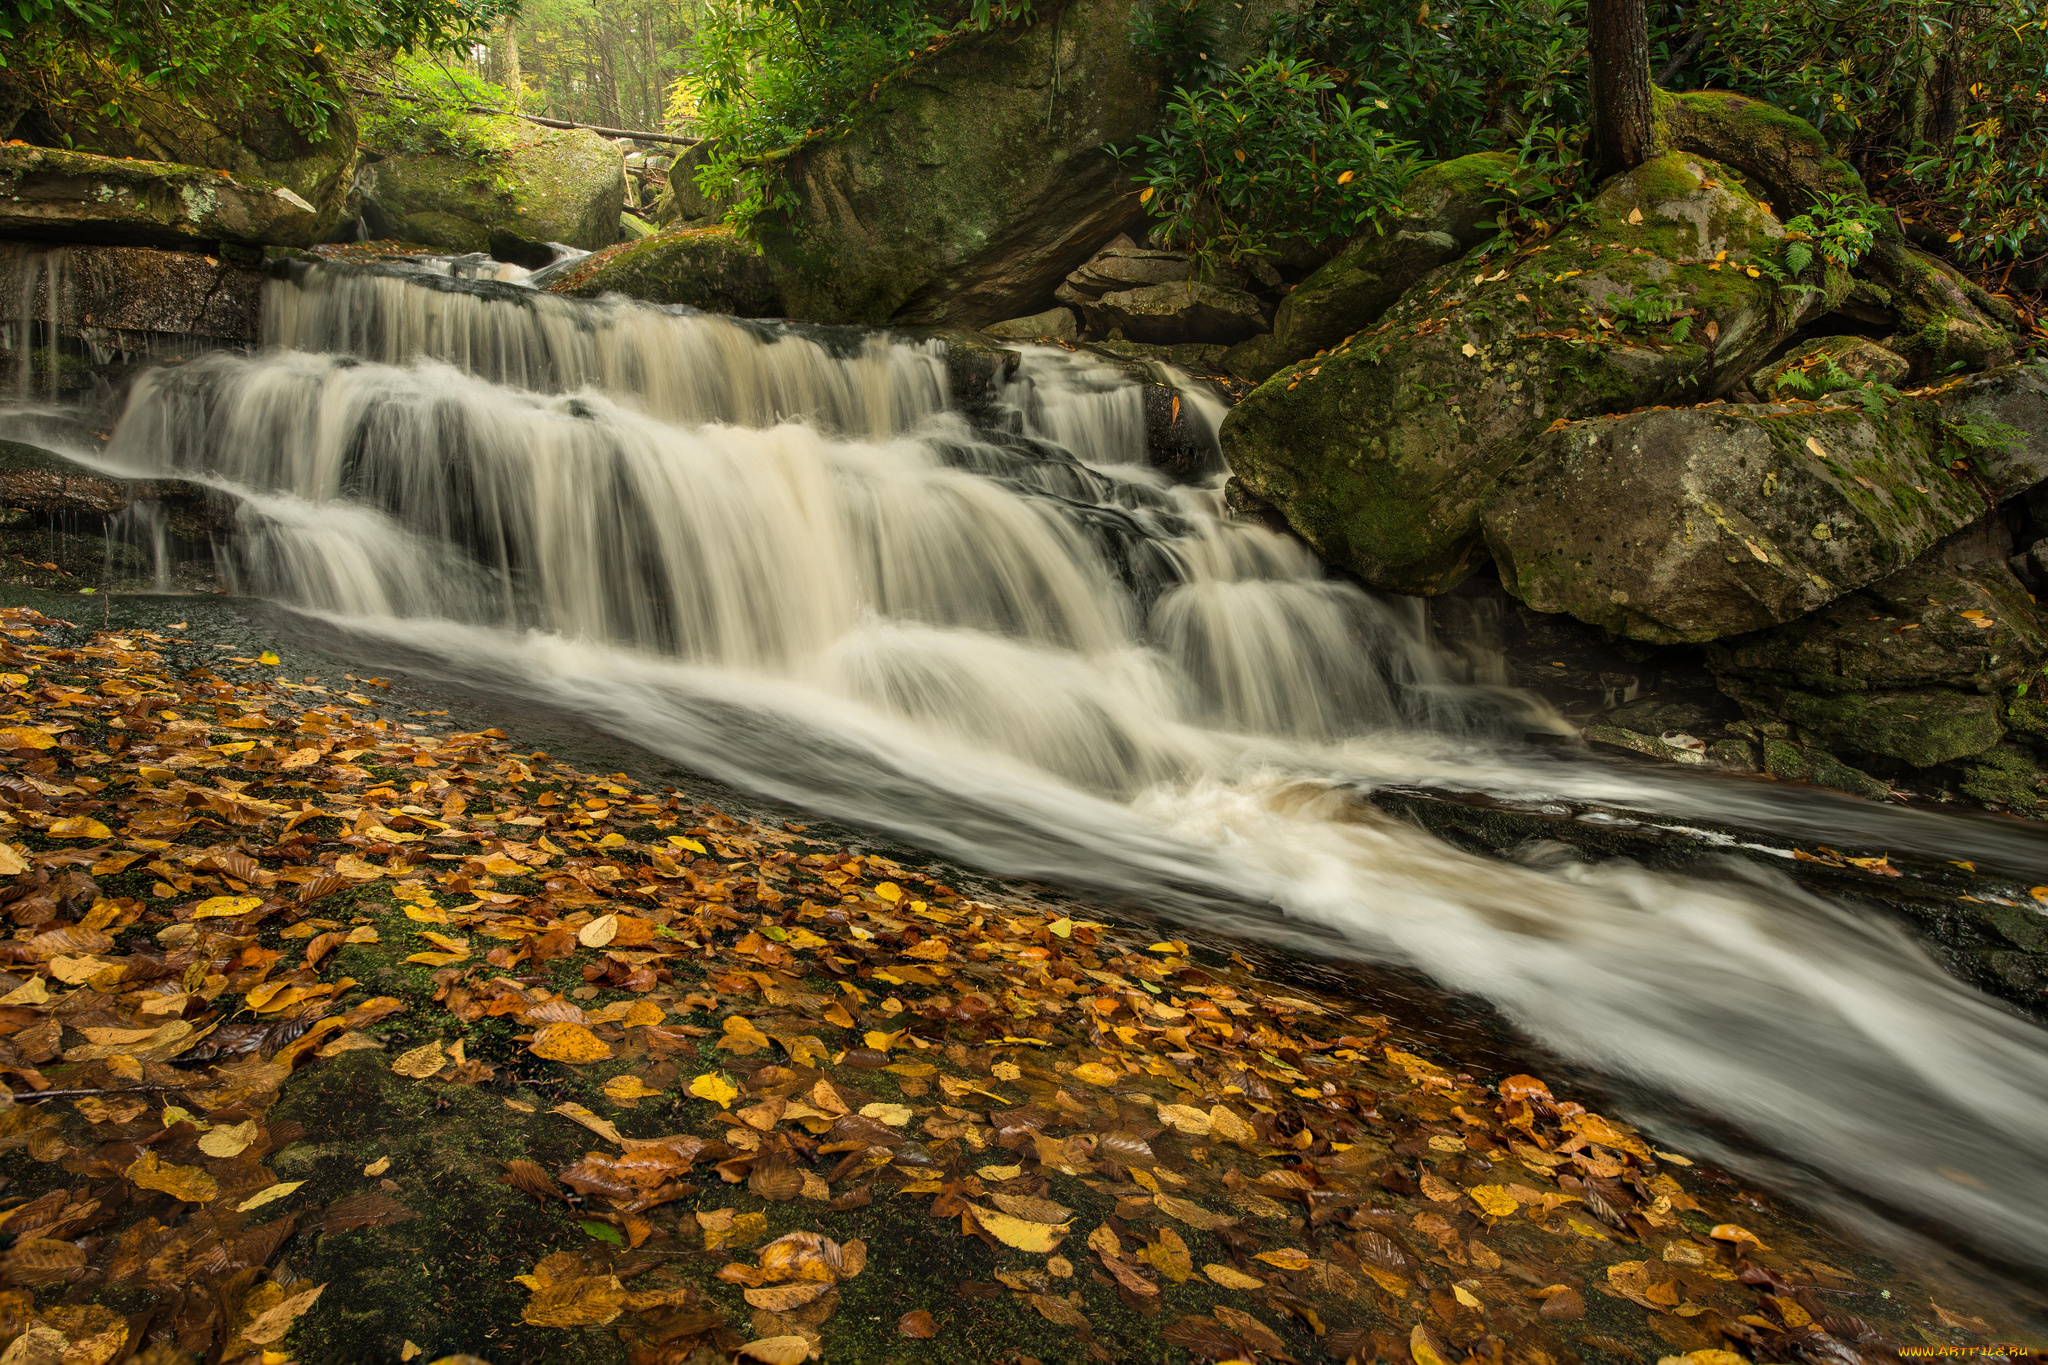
[782, 559]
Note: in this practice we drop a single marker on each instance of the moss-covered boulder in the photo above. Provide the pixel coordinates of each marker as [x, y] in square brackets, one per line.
[681, 203]
[704, 267]
[1697, 523]
[1826, 365]
[71, 197]
[979, 178]
[1910, 668]
[1382, 454]
[1942, 316]
[1443, 215]
[506, 177]
[250, 139]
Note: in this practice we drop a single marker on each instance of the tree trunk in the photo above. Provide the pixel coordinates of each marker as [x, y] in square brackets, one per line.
[512, 61]
[1624, 122]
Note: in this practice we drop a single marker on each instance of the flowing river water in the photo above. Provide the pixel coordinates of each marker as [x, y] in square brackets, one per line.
[784, 557]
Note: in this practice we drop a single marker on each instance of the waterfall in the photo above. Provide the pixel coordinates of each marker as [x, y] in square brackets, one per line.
[786, 557]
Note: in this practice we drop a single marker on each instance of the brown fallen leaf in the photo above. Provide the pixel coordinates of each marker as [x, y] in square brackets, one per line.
[917, 1325]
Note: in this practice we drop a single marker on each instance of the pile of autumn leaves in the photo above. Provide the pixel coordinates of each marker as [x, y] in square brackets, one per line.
[1267, 1156]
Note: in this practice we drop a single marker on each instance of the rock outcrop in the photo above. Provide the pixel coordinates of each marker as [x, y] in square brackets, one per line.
[1691, 524]
[1383, 453]
[73, 197]
[512, 181]
[117, 306]
[704, 268]
[979, 178]
[1445, 212]
[1054, 324]
[1910, 669]
[251, 139]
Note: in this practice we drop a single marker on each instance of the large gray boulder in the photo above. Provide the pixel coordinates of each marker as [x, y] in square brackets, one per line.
[512, 184]
[1692, 524]
[1445, 212]
[1382, 454]
[67, 197]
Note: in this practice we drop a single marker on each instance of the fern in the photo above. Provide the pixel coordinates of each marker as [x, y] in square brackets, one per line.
[1681, 329]
[1798, 256]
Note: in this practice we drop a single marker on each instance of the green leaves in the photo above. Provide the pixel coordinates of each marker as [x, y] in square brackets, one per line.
[1272, 150]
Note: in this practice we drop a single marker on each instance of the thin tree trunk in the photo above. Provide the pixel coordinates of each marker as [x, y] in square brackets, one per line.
[512, 61]
[1624, 121]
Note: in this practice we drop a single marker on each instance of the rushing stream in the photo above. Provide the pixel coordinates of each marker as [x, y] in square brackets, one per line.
[782, 557]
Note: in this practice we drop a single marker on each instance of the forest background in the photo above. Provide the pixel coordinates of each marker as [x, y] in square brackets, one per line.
[1939, 104]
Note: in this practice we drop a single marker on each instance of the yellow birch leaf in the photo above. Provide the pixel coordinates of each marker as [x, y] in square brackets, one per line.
[188, 1183]
[576, 1113]
[1232, 1279]
[1185, 1118]
[421, 1062]
[784, 1350]
[1095, 1073]
[1287, 1258]
[1228, 1126]
[378, 1167]
[716, 1088]
[599, 931]
[1020, 1233]
[26, 737]
[1494, 1199]
[571, 1043]
[78, 827]
[222, 907]
[12, 863]
[271, 1324]
[230, 1141]
[895, 1115]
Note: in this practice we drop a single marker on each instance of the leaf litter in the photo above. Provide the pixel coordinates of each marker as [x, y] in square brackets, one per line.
[1114, 1130]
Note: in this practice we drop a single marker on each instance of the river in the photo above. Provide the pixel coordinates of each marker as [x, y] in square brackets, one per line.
[788, 558]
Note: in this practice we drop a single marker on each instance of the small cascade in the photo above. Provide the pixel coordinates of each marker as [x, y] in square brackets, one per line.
[30, 325]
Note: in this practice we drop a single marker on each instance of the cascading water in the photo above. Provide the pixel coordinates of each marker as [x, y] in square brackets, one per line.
[783, 557]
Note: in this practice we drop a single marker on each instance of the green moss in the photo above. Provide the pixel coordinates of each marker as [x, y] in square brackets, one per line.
[2009, 778]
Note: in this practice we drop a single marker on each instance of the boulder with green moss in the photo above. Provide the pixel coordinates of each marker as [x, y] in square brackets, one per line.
[1942, 317]
[1911, 668]
[503, 177]
[1445, 212]
[71, 197]
[705, 268]
[1691, 524]
[976, 180]
[250, 139]
[1383, 453]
